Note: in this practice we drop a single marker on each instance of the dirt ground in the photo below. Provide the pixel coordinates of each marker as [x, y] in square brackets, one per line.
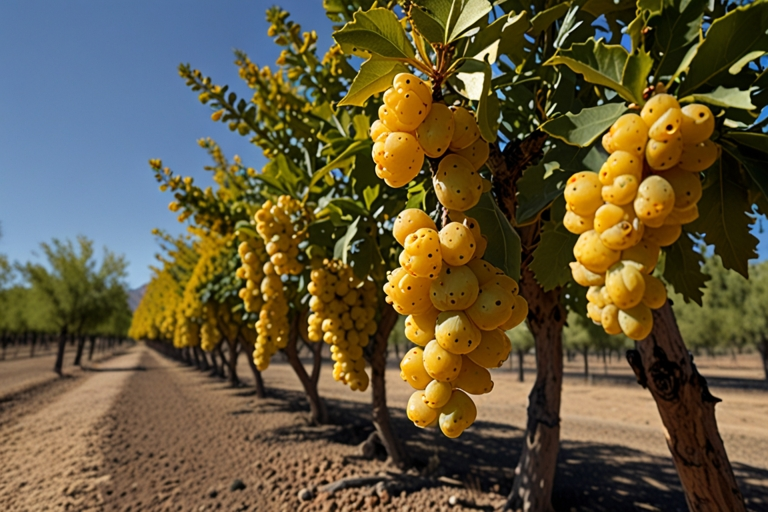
[142, 432]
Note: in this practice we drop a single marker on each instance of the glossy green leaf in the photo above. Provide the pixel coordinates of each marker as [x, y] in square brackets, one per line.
[343, 246]
[676, 32]
[503, 241]
[464, 14]
[683, 269]
[728, 40]
[544, 19]
[584, 128]
[552, 256]
[430, 18]
[758, 141]
[724, 97]
[505, 36]
[358, 146]
[377, 31]
[375, 76]
[369, 196]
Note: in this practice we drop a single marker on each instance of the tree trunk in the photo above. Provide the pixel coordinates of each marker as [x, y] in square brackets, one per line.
[195, 357]
[233, 353]
[90, 349]
[60, 353]
[535, 472]
[585, 355]
[520, 361]
[317, 410]
[224, 363]
[317, 362]
[763, 349]
[381, 419]
[214, 364]
[79, 353]
[204, 359]
[258, 379]
[662, 364]
[32, 343]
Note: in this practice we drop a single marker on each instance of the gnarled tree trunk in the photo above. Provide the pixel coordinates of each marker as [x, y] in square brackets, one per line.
[80, 347]
[318, 412]
[233, 353]
[520, 370]
[60, 351]
[664, 366]
[381, 419]
[317, 362]
[257, 378]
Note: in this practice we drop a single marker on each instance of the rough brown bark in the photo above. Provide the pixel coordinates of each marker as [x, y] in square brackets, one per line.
[535, 472]
[257, 378]
[381, 419]
[317, 362]
[318, 412]
[520, 361]
[234, 381]
[663, 364]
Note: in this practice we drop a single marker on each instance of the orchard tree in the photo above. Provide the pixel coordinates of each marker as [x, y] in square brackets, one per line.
[522, 342]
[678, 88]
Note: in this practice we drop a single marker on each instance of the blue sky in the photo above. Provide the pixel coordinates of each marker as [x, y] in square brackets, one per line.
[90, 92]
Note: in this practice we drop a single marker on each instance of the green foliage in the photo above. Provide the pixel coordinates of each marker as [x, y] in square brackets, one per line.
[584, 128]
[683, 270]
[552, 256]
[503, 241]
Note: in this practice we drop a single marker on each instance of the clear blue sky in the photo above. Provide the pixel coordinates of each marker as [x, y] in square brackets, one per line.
[90, 92]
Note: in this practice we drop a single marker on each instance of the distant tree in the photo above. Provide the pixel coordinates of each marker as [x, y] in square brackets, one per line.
[754, 318]
[79, 293]
[522, 343]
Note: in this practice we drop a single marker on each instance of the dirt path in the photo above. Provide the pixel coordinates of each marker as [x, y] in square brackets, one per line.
[50, 459]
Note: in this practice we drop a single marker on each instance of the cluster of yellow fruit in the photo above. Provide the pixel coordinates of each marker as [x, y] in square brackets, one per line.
[252, 256]
[210, 335]
[272, 327]
[281, 226]
[646, 190]
[343, 311]
[411, 126]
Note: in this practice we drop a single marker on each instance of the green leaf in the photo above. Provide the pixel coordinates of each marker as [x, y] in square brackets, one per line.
[503, 241]
[605, 65]
[584, 128]
[724, 222]
[376, 31]
[505, 36]
[488, 108]
[728, 40]
[544, 19]
[375, 76]
[357, 146]
[724, 97]
[552, 256]
[430, 21]
[751, 159]
[464, 14]
[758, 141]
[683, 269]
[599, 7]
[417, 193]
[676, 32]
[369, 196]
[343, 245]
[635, 77]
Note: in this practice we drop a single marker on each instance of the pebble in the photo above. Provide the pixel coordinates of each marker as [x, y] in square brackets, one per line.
[237, 485]
[305, 494]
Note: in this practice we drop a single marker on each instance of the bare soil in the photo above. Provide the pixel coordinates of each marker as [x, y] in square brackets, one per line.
[146, 433]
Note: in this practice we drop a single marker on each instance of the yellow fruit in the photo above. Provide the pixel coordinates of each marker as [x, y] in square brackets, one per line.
[484, 271]
[595, 295]
[412, 369]
[622, 191]
[437, 394]
[656, 107]
[420, 329]
[687, 187]
[621, 163]
[644, 255]
[492, 308]
[379, 131]
[585, 277]
[682, 216]
[424, 242]
[699, 157]
[457, 185]
[609, 319]
[637, 322]
[476, 153]
[455, 289]
[440, 364]
[409, 221]
[457, 245]
[577, 224]
[665, 235]
[698, 123]
[655, 200]
[456, 333]
[458, 414]
[493, 350]
[418, 412]
[592, 254]
[594, 312]
[625, 285]
[482, 245]
[506, 283]
[519, 313]
[407, 107]
[436, 132]
[655, 292]
[583, 193]
[661, 156]
[667, 126]
[618, 226]
[629, 133]
[403, 156]
[473, 378]
[408, 82]
[421, 266]
[466, 130]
